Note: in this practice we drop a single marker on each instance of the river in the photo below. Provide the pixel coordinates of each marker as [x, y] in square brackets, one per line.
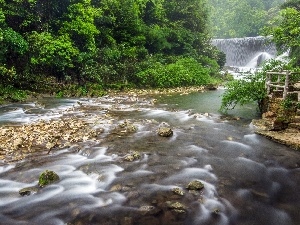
[248, 179]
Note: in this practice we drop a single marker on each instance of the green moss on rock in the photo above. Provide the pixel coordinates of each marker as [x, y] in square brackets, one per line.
[195, 185]
[47, 177]
[165, 132]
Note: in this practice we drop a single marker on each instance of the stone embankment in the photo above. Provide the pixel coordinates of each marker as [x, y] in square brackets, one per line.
[281, 120]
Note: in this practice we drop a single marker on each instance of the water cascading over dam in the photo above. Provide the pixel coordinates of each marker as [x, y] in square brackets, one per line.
[246, 52]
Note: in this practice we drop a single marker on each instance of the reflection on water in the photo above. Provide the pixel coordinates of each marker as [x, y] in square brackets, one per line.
[247, 178]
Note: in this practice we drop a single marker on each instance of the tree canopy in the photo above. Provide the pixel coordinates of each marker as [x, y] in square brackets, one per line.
[241, 18]
[285, 30]
[103, 42]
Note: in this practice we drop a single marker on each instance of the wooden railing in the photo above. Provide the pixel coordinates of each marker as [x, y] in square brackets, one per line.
[279, 84]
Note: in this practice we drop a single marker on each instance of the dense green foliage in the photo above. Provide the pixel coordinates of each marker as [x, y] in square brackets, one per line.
[79, 42]
[250, 89]
[241, 18]
[285, 30]
[183, 72]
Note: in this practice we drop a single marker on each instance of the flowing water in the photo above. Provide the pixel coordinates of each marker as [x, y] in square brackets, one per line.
[248, 52]
[247, 179]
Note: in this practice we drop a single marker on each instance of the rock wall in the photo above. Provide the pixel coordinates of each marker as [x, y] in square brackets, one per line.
[280, 121]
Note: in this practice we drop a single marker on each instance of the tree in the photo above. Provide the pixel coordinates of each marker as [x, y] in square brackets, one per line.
[55, 54]
[187, 27]
[12, 49]
[291, 4]
[154, 12]
[285, 32]
[12, 46]
[79, 24]
[251, 88]
[240, 18]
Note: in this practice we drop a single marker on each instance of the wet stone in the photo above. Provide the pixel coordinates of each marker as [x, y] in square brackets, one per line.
[117, 187]
[149, 220]
[102, 177]
[133, 156]
[149, 210]
[165, 132]
[178, 191]
[125, 127]
[126, 188]
[195, 185]
[133, 195]
[176, 206]
[216, 212]
[28, 191]
[21, 140]
[47, 177]
[129, 158]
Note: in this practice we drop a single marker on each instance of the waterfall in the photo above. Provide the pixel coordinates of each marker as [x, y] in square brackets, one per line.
[247, 52]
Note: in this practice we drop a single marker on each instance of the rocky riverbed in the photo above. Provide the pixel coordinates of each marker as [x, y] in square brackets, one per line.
[279, 123]
[75, 124]
[78, 123]
[289, 136]
[125, 159]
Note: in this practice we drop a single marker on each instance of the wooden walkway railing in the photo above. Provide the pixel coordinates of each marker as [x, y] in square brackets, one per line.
[278, 84]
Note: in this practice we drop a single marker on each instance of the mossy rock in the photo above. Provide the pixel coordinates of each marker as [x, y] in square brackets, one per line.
[195, 185]
[176, 207]
[47, 177]
[165, 132]
[133, 156]
[178, 191]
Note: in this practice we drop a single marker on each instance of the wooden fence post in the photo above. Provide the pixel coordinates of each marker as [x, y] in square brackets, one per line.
[268, 80]
[286, 84]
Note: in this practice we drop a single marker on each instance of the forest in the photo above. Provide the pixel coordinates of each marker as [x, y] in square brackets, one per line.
[83, 47]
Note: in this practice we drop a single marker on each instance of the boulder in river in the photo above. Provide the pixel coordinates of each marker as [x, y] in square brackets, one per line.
[47, 177]
[28, 191]
[195, 185]
[133, 156]
[165, 132]
[176, 207]
[178, 191]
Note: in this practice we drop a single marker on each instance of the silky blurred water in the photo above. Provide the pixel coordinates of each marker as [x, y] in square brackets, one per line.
[247, 179]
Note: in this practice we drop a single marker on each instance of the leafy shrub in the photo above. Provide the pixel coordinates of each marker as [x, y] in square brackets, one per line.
[183, 72]
[13, 42]
[75, 90]
[251, 88]
[7, 75]
[56, 52]
[211, 65]
[9, 93]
